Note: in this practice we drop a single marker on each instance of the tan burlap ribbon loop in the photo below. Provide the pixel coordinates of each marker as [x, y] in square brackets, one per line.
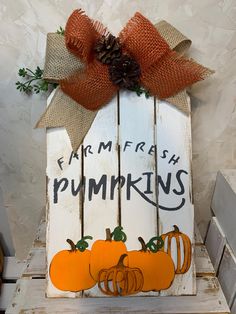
[60, 64]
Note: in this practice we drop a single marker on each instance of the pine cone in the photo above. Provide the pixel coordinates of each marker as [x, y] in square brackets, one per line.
[125, 72]
[107, 49]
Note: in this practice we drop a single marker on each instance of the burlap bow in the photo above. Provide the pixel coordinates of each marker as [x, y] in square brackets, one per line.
[85, 85]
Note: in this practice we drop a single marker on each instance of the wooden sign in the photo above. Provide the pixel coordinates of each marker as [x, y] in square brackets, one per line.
[132, 171]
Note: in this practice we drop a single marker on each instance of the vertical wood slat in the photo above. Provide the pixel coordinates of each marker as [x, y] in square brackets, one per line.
[101, 210]
[137, 166]
[227, 275]
[63, 209]
[175, 197]
[215, 242]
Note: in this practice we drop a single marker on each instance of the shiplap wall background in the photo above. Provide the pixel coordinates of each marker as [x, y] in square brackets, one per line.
[211, 24]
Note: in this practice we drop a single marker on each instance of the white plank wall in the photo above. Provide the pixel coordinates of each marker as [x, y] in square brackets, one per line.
[137, 165]
[175, 198]
[64, 214]
[126, 148]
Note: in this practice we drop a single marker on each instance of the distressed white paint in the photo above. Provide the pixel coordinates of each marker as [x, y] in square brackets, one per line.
[138, 216]
[174, 154]
[63, 217]
[134, 206]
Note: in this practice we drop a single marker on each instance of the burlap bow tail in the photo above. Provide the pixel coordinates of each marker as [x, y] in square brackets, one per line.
[85, 83]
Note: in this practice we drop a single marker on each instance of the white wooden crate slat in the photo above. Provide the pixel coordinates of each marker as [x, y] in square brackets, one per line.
[7, 292]
[223, 204]
[64, 216]
[215, 242]
[13, 268]
[175, 198]
[227, 274]
[30, 298]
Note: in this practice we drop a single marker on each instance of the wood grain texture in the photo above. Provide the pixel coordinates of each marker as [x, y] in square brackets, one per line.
[30, 298]
[175, 201]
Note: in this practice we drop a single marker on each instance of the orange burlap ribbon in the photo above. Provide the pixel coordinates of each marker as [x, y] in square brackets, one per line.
[163, 71]
[85, 85]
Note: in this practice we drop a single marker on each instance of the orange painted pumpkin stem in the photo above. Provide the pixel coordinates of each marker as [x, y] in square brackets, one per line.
[108, 234]
[72, 245]
[144, 247]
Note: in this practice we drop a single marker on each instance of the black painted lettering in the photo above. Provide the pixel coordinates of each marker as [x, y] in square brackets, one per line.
[178, 177]
[73, 155]
[104, 146]
[140, 146]
[165, 186]
[94, 187]
[116, 182]
[175, 160]
[76, 190]
[164, 154]
[87, 150]
[56, 185]
[127, 144]
[148, 190]
[60, 162]
[152, 150]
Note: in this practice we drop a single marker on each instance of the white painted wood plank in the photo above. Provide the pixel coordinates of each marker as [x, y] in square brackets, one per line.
[138, 169]
[13, 268]
[137, 159]
[63, 214]
[30, 298]
[175, 196]
[6, 295]
[223, 204]
[215, 242]
[227, 274]
[101, 165]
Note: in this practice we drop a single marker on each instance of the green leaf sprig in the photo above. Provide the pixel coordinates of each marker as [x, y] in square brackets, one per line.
[34, 81]
[140, 90]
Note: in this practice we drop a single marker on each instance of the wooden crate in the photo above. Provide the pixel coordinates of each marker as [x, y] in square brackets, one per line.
[29, 296]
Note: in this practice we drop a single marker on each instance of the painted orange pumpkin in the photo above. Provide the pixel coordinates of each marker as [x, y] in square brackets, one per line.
[69, 269]
[105, 254]
[183, 262]
[120, 279]
[157, 268]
